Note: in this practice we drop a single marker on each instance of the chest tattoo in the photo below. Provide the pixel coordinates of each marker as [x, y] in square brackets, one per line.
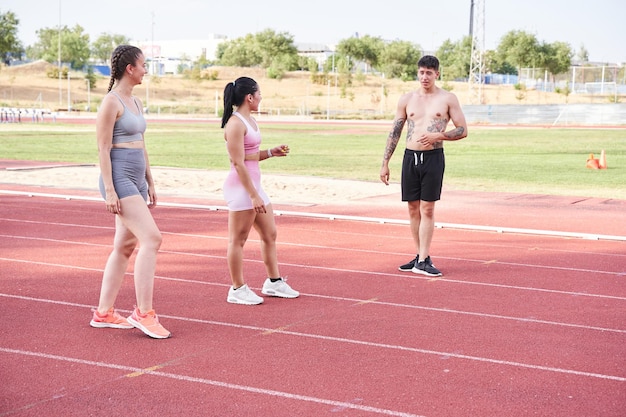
[438, 124]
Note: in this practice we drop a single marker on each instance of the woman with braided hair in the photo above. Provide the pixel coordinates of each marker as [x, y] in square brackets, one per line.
[126, 184]
[248, 204]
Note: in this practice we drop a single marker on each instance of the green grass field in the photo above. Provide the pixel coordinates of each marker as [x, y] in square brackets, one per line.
[518, 160]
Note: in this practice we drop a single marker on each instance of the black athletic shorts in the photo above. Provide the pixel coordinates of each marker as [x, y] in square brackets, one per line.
[422, 175]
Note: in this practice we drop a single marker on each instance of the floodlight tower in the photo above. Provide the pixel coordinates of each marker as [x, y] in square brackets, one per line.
[477, 64]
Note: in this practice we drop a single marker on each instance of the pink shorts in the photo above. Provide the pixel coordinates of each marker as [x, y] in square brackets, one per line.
[236, 196]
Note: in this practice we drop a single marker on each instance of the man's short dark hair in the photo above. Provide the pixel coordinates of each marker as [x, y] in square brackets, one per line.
[428, 61]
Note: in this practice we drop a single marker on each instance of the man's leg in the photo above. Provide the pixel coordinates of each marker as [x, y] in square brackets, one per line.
[415, 219]
[426, 228]
[425, 235]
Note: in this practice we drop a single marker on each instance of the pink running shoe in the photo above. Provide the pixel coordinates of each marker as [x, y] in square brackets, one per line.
[111, 320]
[149, 324]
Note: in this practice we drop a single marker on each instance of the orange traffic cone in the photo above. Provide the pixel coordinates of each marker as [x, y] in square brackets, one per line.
[592, 163]
[602, 163]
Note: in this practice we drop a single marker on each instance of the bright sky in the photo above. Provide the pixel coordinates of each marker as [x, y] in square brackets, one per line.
[598, 25]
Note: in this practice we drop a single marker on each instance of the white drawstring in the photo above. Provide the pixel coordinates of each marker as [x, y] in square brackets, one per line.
[421, 159]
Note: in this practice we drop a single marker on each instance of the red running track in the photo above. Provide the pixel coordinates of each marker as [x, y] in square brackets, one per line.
[520, 324]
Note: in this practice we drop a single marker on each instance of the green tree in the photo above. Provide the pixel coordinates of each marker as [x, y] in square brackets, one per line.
[519, 48]
[446, 55]
[74, 45]
[307, 64]
[238, 53]
[280, 65]
[367, 49]
[270, 46]
[455, 58]
[556, 57]
[264, 49]
[399, 59]
[495, 63]
[103, 47]
[583, 54]
[91, 78]
[9, 44]
[220, 50]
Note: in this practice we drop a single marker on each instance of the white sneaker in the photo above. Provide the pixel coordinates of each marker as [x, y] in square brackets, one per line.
[243, 295]
[279, 288]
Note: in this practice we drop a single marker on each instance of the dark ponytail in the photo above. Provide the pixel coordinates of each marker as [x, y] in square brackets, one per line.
[235, 93]
[121, 57]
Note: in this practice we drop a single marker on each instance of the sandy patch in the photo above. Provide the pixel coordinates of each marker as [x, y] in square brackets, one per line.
[205, 184]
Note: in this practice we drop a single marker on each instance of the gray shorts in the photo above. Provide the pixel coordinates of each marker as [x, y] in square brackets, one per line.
[129, 173]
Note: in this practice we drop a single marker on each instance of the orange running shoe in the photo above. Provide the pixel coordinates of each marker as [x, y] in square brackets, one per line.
[149, 324]
[111, 320]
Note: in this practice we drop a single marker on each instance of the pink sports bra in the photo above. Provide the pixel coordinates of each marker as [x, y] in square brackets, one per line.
[252, 138]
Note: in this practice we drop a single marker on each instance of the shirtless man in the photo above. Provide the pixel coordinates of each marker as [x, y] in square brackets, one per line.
[427, 111]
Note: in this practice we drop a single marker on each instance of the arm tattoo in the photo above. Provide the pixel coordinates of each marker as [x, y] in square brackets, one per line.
[455, 133]
[394, 137]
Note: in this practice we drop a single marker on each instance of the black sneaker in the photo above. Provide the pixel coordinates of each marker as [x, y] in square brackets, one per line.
[426, 267]
[409, 267]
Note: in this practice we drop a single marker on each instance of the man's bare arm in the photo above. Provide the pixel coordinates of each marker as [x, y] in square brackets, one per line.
[458, 119]
[455, 134]
[393, 138]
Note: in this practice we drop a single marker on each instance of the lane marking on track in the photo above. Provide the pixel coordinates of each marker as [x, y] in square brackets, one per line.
[220, 384]
[369, 301]
[300, 245]
[496, 229]
[374, 273]
[334, 248]
[276, 330]
[383, 303]
[395, 274]
[446, 355]
[144, 371]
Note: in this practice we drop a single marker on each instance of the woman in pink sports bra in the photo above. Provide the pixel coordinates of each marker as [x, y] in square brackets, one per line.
[248, 204]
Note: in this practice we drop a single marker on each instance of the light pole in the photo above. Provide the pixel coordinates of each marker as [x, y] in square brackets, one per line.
[69, 105]
[88, 95]
[59, 56]
[151, 66]
[328, 101]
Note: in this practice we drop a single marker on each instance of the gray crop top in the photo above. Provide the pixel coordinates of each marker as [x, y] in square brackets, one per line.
[130, 126]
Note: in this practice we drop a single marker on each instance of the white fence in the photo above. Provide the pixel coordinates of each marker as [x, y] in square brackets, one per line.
[548, 115]
[17, 115]
[603, 80]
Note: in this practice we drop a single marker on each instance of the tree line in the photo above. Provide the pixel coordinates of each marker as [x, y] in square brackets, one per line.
[277, 53]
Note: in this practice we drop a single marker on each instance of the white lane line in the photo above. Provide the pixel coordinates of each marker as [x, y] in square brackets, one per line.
[495, 229]
[351, 300]
[303, 245]
[366, 343]
[403, 275]
[255, 390]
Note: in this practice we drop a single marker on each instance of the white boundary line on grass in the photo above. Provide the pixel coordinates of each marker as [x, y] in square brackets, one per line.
[495, 229]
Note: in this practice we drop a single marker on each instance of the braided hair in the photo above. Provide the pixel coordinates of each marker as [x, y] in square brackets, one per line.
[121, 57]
[235, 93]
